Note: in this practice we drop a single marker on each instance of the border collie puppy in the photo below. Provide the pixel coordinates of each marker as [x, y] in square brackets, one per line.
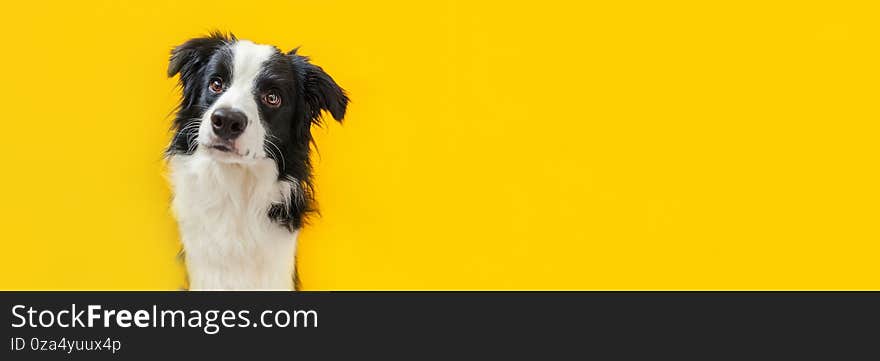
[239, 159]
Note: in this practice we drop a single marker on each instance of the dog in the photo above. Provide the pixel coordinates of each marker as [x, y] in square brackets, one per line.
[239, 158]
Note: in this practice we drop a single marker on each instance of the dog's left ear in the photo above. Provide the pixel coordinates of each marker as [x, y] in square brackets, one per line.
[320, 90]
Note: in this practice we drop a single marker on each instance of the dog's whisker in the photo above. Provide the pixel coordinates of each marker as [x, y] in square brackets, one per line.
[271, 154]
[186, 130]
[280, 153]
[192, 143]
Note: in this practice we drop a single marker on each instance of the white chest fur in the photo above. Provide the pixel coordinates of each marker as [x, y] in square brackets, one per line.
[229, 241]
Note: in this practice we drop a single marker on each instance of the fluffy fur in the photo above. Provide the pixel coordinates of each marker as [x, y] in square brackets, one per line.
[240, 199]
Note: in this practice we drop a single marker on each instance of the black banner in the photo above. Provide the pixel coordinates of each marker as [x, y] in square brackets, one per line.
[416, 325]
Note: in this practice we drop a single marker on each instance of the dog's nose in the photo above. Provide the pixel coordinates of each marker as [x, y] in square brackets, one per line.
[228, 123]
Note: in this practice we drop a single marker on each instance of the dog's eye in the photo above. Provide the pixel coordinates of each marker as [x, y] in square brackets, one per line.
[272, 99]
[216, 85]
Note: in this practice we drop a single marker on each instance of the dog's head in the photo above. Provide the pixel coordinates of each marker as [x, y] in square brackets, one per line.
[245, 102]
[250, 104]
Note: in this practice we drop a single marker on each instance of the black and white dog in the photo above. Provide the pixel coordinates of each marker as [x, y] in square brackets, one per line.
[239, 159]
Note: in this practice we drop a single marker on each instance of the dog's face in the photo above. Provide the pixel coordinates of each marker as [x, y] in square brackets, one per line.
[252, 105]
[245, 103]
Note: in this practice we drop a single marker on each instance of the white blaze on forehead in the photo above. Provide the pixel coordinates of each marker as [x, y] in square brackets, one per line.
[247, 61]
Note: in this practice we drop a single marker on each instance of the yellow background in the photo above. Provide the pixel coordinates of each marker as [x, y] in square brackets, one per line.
[497, 145]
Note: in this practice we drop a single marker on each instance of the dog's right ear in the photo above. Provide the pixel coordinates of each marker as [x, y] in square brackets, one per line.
[188, 57]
